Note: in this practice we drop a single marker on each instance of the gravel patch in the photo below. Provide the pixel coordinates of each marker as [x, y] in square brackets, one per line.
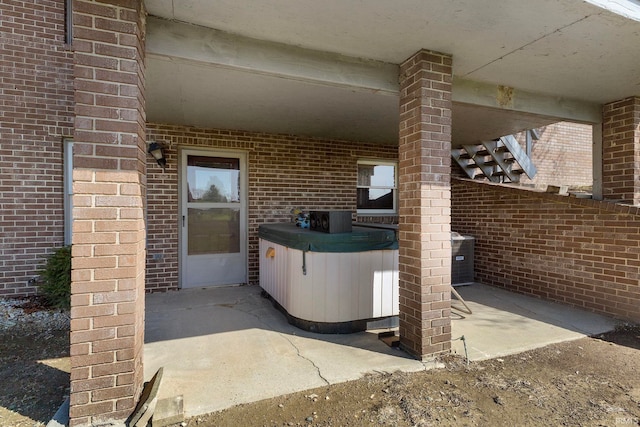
[28, 315]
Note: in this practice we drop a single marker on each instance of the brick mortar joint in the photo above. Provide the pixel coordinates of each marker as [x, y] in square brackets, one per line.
[417, 95]
[40, 40]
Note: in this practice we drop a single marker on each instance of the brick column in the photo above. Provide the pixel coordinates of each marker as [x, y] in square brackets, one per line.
[107, 314]
[425, 203]
[621, 150]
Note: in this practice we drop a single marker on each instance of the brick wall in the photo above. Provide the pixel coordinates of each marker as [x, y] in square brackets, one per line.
[284, 172]
[108, 253]
[425, 201]
[36, 112]
[621, 150]
[580, 252]
[562, 155]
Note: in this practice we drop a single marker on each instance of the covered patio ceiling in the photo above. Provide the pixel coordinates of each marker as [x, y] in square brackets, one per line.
[329, 69]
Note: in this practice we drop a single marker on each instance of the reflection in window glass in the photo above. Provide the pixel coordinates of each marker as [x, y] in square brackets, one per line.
[375, 198]
[213, 179]
[376, 175]
[213, 231]
[376, 192]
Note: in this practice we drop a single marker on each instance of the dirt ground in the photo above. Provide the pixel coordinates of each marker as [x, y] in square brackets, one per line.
[34, 376]
[588, 382]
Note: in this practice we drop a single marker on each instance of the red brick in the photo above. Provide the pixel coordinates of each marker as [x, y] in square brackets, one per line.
[91, 384]
[111, 369]
[80, 373]
[107, 139]
[113, 344]
[92, 335]
[90, 409]
[36, 112]
[113, 297]
[79, 287]
[112, 393]
[80, 324]
[425, 254]
[79, 398]
[79, 422]
[271, 170]
[126, 404]
[124, 379]
[621, 148]
[92, 311]
[571, 267]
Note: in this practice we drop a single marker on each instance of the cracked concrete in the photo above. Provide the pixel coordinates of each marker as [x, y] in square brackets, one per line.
[254, 310]
[225, 346]
[306, 358]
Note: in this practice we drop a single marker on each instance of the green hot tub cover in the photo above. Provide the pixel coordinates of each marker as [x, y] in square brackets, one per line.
[360, 239]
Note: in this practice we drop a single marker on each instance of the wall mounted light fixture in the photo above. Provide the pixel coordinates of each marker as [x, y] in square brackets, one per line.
[155, 149]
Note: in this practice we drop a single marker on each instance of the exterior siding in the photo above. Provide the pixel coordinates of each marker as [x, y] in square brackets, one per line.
[36, 102]
[285, 172]
[580, 252]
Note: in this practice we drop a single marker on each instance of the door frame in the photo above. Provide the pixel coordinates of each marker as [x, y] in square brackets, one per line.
[183, 152]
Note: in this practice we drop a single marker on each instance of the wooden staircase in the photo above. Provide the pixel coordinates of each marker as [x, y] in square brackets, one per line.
[499, 160]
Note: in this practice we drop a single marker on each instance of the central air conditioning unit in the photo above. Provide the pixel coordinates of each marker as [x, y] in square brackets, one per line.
[330, 221]
[462, 248]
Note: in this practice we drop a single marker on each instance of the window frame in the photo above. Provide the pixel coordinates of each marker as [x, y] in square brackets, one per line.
[68, 22]
[394, 189]
[68, 189]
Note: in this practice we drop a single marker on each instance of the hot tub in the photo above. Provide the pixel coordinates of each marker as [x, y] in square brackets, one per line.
[330, 283]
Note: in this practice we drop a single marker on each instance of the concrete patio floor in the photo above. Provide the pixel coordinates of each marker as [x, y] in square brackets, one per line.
[225, 346]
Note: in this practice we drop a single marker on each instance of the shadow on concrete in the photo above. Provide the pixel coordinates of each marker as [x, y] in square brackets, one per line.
[208, 311]
[504, 322]
[624, 335]
[34, 377]
[225, 346]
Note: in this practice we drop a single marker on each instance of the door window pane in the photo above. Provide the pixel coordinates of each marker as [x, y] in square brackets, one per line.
[213, 179]
[213, 231]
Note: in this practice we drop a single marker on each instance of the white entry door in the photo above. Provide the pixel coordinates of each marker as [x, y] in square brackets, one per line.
[213, 219]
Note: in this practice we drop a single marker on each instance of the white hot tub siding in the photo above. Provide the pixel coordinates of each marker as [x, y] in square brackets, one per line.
[338, 287]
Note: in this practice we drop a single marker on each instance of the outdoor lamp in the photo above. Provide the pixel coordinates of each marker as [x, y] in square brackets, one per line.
[156, 151]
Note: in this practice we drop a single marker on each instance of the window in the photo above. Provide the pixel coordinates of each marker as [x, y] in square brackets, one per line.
[68, 21]
[68, 189]
[377, 187]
